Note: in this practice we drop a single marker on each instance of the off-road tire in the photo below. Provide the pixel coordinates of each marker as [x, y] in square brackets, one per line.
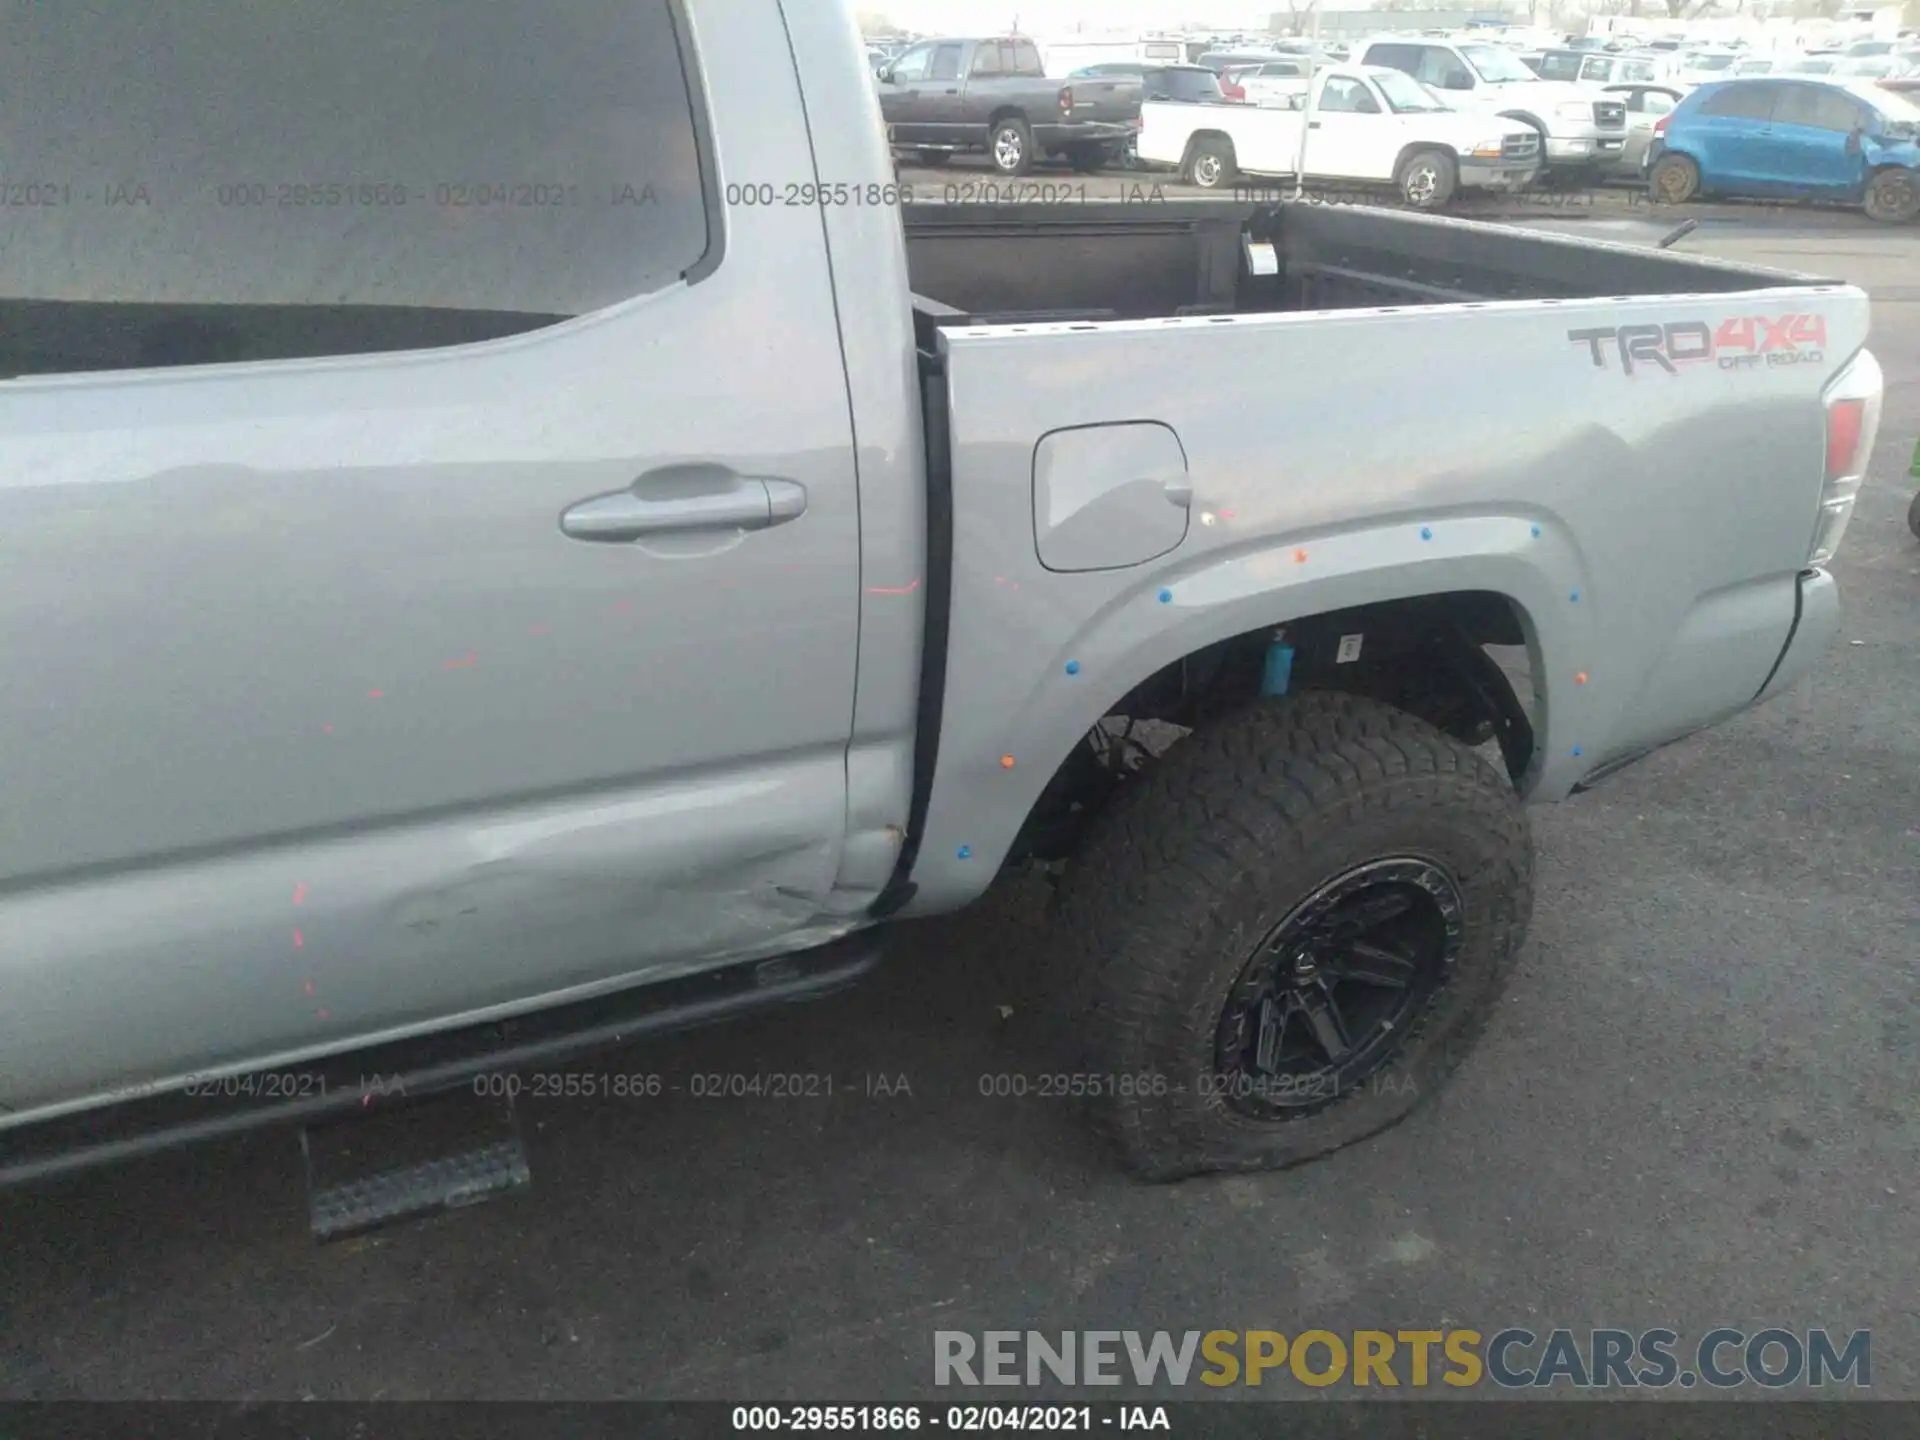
[1197, 861]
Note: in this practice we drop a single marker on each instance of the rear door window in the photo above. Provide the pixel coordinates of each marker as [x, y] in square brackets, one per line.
[240, 181]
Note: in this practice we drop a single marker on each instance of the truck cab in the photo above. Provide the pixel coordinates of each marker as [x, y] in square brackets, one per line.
[1579, 132]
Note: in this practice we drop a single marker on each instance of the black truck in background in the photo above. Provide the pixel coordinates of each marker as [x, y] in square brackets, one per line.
[946, 97]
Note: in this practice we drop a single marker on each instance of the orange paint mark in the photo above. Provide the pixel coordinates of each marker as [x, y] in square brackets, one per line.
[1006, 762]
[375, 694]
[893, 589]
[299, 941]
[299, 893]
[1581, 678]
[465, 662]
[1299, 557]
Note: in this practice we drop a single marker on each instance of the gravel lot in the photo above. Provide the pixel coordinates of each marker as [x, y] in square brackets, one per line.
[1697, 1108]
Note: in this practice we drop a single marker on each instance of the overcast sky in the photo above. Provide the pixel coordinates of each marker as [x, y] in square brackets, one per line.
[1039, 17]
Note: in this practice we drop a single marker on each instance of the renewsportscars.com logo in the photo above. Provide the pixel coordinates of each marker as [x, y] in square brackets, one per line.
[1512, 1359]
[1746, 343]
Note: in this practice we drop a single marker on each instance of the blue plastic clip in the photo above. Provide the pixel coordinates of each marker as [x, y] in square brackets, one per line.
[1279, 670]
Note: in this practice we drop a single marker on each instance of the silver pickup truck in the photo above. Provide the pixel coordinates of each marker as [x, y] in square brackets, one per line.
[549, 553]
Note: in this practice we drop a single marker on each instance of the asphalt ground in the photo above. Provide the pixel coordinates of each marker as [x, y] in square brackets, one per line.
[1697, 1107]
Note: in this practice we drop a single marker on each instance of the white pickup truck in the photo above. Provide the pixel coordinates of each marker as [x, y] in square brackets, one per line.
[1367, 125]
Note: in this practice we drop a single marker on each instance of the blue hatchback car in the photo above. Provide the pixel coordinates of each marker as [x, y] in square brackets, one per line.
[1791, 139]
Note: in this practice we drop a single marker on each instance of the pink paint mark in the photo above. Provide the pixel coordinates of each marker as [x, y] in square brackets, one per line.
[366, 1100]
[299, 894]
[375, 694]
[893, 589]
[1225, 514]
[465, 662]
[621, 607]
[306, 987]
[322, 1015]
[299, 941]
[326, 729]
[539, 629]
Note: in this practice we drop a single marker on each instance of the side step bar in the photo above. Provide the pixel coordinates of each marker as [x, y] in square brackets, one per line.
[386, 1075]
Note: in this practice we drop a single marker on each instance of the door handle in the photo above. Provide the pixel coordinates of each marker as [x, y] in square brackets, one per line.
[681, 500]
[1313, 124]
[953, 92]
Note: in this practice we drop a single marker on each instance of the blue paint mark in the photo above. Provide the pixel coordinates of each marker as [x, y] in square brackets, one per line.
[1574, 597]
[1279, 673]
[966, 852]
[1073, 667]
[1426, 533]
[1536, 532]
[1578, 751]
[1166, 597]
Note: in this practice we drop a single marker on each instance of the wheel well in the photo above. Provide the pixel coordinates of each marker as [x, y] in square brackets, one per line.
[1425, 655]
[1006, 112]
[1527, 119]
[1407, 152]
[1200, 137]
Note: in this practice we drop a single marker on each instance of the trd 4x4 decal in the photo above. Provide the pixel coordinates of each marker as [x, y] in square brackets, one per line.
[1740, 344]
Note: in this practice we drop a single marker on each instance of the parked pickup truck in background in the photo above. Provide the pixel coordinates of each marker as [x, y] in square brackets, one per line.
[435, 650]
[1367, 126]
[942, 97]
[1581, 133]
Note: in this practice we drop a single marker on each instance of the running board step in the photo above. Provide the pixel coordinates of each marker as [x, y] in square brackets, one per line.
[410, 1161]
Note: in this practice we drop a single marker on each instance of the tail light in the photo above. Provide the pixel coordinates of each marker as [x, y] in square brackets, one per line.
[1233, 90]
[1066, 98]
[1660, 125]
[1853, 419]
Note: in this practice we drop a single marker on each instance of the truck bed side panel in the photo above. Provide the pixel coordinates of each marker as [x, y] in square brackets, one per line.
[1649, 523]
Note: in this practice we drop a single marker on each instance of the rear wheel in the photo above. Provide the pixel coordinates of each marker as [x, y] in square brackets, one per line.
[1212, 166]
[1291, 929]
[1427, 179]
[1893, 195]
[1010, 147]
[1674, 179]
